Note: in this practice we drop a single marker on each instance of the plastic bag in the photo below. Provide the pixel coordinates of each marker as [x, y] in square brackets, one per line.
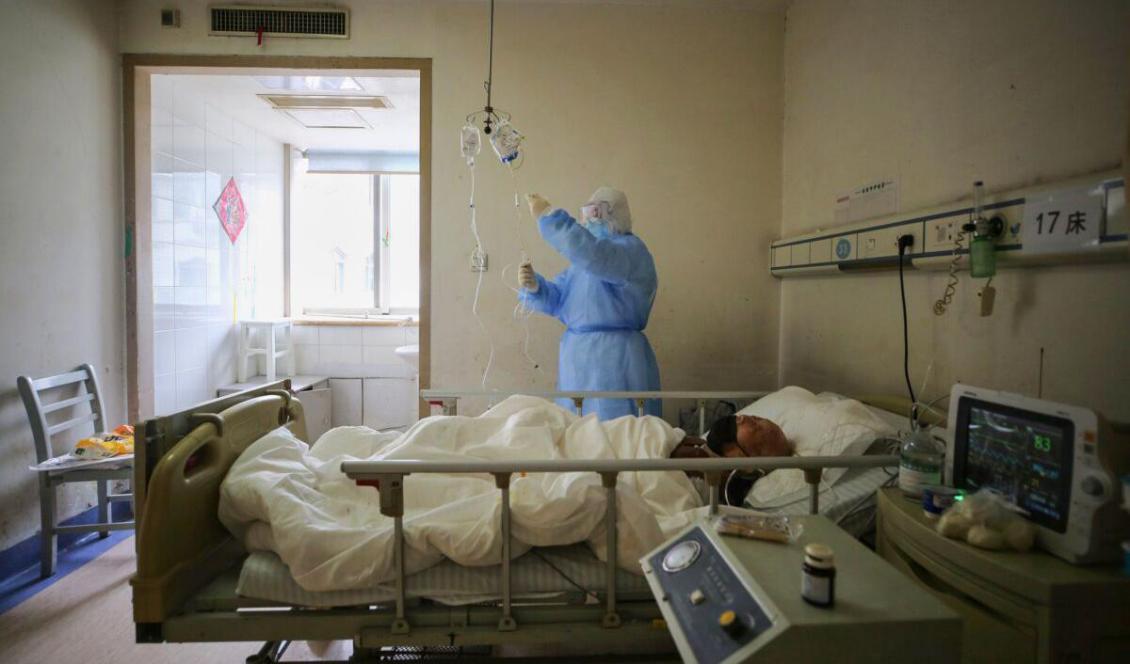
[760, 526]
[987, 520]
[106, 445]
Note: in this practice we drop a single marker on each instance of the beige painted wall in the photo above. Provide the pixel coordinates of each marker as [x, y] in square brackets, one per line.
[940, 94]
[677, 104]
[61, 275]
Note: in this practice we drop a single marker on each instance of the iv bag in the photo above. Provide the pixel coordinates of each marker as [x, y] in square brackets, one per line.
[469, 143]
[505, 141]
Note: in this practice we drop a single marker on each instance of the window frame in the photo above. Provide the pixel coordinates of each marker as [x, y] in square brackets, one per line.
[380, 198]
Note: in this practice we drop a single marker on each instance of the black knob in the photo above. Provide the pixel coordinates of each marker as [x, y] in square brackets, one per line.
[731, 623]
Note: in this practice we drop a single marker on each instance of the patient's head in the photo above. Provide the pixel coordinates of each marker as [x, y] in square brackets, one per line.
[747, 435]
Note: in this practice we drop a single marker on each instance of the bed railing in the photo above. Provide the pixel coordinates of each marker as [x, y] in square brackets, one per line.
[448, 400]
[388, 477]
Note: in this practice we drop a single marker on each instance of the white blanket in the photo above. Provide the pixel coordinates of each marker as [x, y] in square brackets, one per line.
[286, 497]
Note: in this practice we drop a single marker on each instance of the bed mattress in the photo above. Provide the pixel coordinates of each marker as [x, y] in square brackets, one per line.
[542, 574]
[849, 503]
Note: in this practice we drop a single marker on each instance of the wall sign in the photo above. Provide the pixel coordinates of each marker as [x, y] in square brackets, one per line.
[1062, 221]
[231, 210]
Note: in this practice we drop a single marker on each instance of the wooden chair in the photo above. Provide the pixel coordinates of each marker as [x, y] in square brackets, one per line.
[85, 407]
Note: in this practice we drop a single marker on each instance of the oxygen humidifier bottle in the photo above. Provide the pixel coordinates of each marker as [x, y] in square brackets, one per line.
[982, 257]
[921, 458]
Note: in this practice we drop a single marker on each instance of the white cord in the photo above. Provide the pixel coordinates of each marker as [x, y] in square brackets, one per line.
[926, 379]
[930, 405]
[479, 282]
[521, 311]
[951, 285]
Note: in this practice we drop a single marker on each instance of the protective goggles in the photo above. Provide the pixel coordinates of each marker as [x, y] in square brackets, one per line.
[597, 210]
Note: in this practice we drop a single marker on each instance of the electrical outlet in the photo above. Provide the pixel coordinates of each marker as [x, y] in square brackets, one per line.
[884, 243]
[479, 262]
[170, 18]
[940, 233]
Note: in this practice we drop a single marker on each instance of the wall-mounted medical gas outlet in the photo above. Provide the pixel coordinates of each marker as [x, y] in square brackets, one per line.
[170, 18]
[941, 233]
[873, 244]
[479, 262]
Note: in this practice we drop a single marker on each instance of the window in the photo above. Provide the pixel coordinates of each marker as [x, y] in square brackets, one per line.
[339, 270]
[355, 246]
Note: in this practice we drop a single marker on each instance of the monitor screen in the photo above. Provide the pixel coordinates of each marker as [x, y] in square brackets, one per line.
[1023, 455]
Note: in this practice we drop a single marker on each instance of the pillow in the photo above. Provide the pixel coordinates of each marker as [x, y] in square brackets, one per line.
[816, 425]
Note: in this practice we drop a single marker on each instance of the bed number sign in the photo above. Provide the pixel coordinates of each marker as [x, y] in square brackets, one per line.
[1062, 221]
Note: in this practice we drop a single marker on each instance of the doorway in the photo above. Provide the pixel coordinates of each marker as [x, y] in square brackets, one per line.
[285, 139]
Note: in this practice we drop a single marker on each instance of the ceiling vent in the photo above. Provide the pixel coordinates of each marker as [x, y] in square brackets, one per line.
[325, 101]
[252, 21]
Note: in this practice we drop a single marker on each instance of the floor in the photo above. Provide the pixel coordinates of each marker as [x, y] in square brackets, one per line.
[87, 617]
[19, 587]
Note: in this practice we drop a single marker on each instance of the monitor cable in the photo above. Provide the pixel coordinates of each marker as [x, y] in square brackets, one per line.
[904, 243]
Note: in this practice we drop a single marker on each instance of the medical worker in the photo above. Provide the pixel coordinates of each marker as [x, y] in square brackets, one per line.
[604, 299]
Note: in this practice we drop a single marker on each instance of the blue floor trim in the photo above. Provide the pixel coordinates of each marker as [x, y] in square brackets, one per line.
[20, 563]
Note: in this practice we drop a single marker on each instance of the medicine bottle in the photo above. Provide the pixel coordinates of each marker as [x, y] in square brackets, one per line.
[818, 576]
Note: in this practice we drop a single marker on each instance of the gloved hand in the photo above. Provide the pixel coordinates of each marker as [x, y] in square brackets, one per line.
[538, 205]
[527, 278]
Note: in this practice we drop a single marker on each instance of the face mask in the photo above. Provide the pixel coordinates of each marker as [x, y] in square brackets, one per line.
[599, 228]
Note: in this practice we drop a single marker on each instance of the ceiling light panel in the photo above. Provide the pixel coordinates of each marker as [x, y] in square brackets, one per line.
[325, 101]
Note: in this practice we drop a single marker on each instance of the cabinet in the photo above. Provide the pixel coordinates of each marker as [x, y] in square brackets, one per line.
[1015, 607]
[389, 402]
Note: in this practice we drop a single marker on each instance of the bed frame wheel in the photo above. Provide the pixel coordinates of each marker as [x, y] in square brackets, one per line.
[401, 626]
[611, 620]
[507, 624]
[270, 653]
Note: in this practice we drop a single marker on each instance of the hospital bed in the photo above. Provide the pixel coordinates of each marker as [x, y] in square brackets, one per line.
[849, 502]
[195, 583]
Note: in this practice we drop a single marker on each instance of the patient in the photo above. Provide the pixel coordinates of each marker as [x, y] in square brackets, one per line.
[737, 436]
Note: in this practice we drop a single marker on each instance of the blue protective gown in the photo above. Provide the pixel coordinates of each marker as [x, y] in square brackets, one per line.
[604, 299]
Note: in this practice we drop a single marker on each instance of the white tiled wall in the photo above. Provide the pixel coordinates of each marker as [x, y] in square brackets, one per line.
[353, 351]
[372, 386]
[201, 281]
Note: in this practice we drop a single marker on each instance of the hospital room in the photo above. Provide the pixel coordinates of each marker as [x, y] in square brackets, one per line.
[706, 331]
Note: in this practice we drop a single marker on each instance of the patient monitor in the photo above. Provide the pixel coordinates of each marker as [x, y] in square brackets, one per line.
[728, 599]
[1058, 464]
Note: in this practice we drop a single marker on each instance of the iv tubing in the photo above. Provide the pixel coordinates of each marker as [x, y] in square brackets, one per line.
[521, 311]
[479, 283]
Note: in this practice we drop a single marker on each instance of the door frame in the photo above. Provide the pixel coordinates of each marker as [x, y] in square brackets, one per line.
[137, 68]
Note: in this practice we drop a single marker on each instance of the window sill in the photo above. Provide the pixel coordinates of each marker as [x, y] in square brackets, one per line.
[381, 321]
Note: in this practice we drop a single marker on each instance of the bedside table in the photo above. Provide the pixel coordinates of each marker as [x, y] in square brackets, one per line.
[1016, 607]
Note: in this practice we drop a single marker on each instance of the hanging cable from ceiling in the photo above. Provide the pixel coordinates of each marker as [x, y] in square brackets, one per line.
[506, 141]
[503, 137]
